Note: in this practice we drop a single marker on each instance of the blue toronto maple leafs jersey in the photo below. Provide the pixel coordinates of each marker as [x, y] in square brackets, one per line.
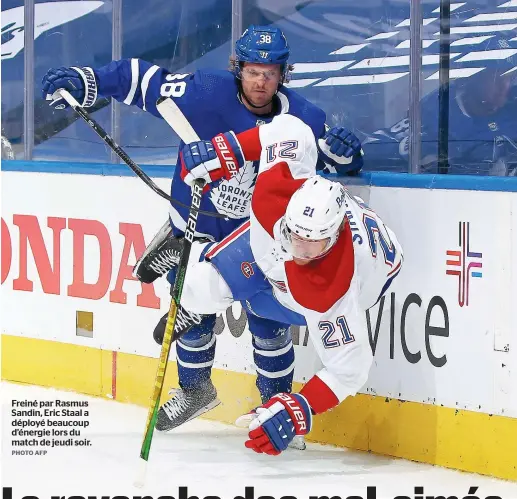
[210, 101]
[477, 144]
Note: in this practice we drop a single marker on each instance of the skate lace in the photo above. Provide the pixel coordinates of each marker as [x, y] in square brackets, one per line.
[176, 405]
[164, 261]
[186, 319]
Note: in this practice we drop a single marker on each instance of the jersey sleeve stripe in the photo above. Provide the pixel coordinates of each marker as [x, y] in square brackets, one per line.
[227, 240]
[134, 82]
[145, 82]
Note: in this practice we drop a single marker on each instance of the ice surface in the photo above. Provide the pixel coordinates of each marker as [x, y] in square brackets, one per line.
[210, 459]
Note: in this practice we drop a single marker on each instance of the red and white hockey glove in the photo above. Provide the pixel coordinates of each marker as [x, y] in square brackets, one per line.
[278, 421]
[211, 160]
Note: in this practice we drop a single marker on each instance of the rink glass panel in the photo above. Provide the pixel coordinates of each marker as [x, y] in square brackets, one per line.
[12, 80]
[353, 62]
[82, 38]
[181, 36]
[479, 127]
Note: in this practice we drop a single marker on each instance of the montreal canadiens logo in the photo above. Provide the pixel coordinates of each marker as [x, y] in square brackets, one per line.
[247, 269]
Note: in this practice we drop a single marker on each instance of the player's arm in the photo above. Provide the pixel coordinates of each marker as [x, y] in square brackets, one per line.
[131, 81]
[286, 140]
[343, 347]
[340, 340]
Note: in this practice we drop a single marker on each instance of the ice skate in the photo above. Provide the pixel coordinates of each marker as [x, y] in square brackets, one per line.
[186, 404]
[162, 254]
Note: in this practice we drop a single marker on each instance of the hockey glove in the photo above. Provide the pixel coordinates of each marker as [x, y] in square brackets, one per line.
[80, 82]
[278, 421]
[341, 150]
[211, 160]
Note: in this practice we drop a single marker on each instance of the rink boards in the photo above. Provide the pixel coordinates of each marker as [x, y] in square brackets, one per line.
[443, 387]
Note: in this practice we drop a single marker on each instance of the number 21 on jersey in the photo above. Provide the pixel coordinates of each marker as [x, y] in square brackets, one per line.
[372, 228]
[282, 150]
[331, 340]
[377, 231]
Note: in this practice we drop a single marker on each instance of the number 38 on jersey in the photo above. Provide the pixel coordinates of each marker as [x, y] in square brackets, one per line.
[174, 88]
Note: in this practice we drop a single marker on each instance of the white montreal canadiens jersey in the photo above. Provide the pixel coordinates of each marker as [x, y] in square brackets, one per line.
[332, 293]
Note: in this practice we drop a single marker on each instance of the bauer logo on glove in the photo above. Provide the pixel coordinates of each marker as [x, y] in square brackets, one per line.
[211, 160]
[277, 422]
[228, 157]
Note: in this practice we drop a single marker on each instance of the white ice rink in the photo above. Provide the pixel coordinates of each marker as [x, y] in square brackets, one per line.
[210, 459]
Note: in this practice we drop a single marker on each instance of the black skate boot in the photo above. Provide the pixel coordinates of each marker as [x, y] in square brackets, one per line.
[186, 404]
[162, 254]
[184, 322]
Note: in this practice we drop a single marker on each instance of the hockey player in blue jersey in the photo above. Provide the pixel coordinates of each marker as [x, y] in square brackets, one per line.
[250, 93]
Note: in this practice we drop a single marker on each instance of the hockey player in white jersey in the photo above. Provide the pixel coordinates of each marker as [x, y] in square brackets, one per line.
[311, 254]
[214, 101]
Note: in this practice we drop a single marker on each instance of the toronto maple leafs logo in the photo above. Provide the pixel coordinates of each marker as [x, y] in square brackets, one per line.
[232, 197]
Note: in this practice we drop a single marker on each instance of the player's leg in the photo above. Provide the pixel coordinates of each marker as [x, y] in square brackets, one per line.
[160, 257]
[273, 353]
[195, 353]
[217, 275]
[195, 350]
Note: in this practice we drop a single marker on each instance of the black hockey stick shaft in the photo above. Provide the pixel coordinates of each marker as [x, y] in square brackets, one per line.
[123, 155]
[111, 143]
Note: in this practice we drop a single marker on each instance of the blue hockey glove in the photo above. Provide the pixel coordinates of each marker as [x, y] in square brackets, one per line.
[341, 150]
[80, 82]
[278, 421]
[211, 160]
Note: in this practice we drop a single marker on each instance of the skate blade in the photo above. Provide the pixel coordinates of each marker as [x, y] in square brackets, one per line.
[298, 443]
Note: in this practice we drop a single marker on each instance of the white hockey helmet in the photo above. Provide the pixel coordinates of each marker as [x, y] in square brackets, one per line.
[313, 219]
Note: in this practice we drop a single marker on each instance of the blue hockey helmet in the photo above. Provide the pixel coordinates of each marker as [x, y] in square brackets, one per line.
[262, 45]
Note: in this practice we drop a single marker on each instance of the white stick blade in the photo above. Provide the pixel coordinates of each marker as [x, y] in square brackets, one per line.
[173, 115]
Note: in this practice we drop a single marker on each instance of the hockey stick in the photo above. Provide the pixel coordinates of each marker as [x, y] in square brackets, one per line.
[179, 123]
[197, 191]
[72, 102]
[172, 114]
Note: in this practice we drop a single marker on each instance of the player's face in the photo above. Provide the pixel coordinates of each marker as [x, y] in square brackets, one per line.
[305, 250]
[260, 82]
